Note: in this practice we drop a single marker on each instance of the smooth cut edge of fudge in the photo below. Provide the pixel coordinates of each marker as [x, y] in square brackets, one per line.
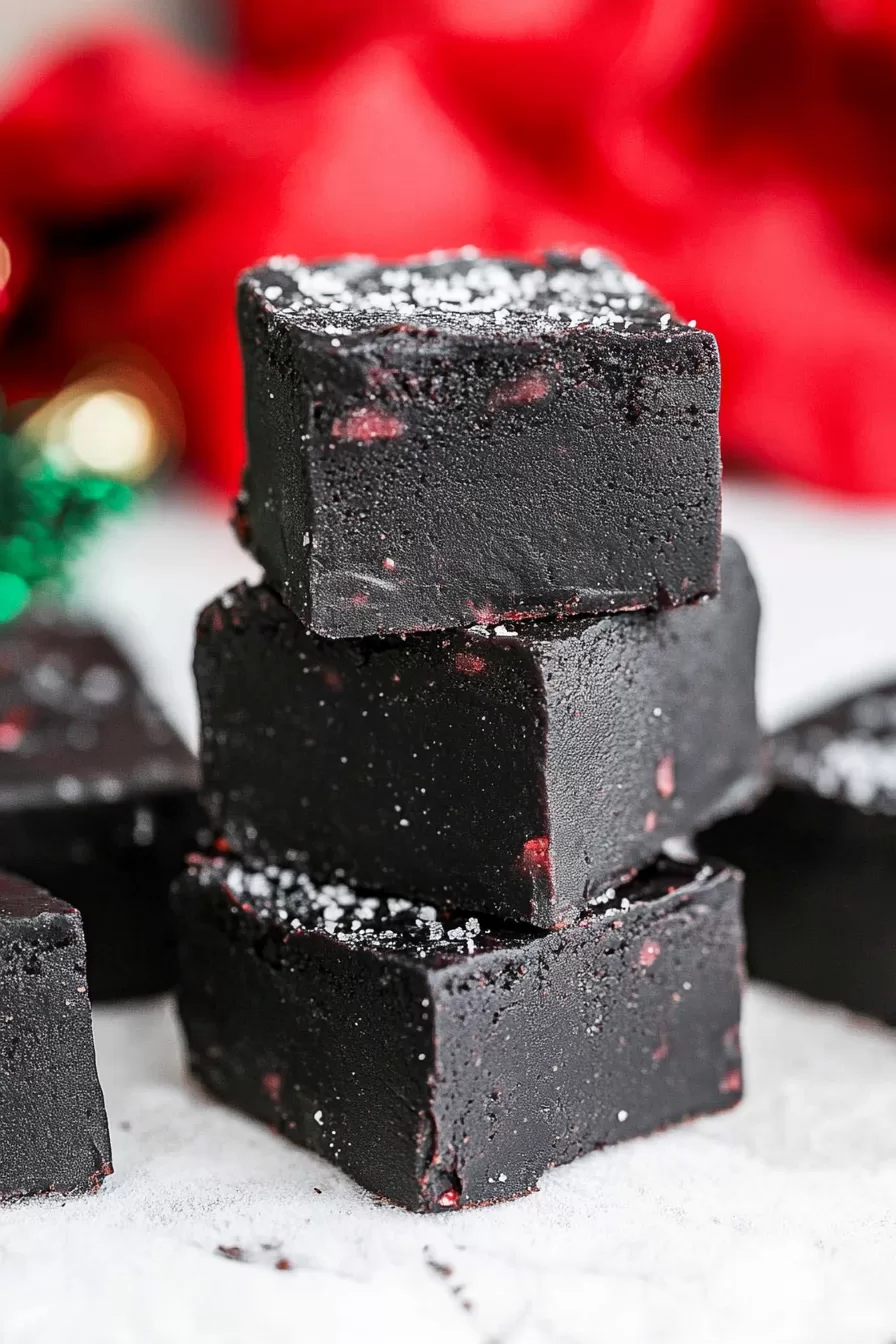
[415, 1137]
[36, 932]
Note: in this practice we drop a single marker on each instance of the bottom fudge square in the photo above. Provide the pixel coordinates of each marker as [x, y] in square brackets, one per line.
[445, 1062]
[53, 1132]
[820, 857]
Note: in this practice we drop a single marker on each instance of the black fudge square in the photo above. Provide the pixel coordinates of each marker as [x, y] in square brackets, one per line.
[97, 796]
[449, 1062]
[820, 857]
[515, 770]
[53, 1132]
[450, 441]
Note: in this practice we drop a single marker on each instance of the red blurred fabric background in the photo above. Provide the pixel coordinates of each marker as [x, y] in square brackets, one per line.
[738, 153]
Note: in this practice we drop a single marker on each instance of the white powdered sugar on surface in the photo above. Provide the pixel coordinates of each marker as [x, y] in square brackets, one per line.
[463, 291]
[290, 901]
[851, 756]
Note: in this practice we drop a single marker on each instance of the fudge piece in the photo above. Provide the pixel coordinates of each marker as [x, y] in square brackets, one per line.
[53, 1132]
[515, 770]
[458, 439]
[97, 796]
[820, 857]
[449, 1062]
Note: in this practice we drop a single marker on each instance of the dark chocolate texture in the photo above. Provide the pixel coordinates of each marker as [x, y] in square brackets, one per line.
[53, 1132]
[97, 796]
[820, 857]
[514, 769]
[457, 440]
[447, 1062]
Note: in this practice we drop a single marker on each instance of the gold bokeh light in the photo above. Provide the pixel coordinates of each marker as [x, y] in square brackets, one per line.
[111, 433]
[117, 419]
[102, 430]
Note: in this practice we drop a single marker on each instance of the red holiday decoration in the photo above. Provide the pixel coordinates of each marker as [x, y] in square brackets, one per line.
[738, 153]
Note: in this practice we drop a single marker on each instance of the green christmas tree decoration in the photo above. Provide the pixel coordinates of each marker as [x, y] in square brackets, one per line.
[45, 516]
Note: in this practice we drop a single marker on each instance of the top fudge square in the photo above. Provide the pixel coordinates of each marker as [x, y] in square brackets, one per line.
[460, 440]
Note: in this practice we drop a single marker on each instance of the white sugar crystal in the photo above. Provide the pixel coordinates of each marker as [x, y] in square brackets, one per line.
[591, 288]
[860, 768]
[604, 897]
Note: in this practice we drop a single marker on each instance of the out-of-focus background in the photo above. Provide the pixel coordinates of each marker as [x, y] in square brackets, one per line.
[738, 153]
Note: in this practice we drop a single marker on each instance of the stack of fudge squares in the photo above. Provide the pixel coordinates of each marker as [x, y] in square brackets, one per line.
[500, 669]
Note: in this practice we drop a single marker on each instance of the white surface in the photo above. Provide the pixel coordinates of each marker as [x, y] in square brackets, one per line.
[776, 1222]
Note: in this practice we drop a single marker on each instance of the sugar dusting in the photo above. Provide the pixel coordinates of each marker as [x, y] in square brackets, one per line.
[462, 292]
[359, 918]
[286, 898]
[75, 724]
[849, 754]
